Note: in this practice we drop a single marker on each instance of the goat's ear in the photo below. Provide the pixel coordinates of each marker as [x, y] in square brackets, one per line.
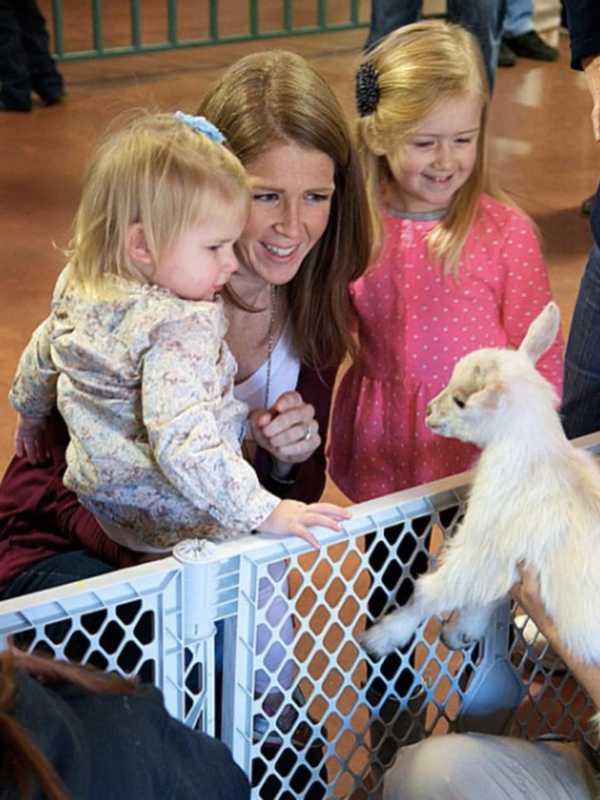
[489, 397]
[542, 332]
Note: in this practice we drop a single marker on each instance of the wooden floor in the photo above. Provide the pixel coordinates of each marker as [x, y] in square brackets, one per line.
[542, 152]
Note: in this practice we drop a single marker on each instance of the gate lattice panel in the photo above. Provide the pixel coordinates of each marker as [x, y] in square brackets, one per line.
[305, 711]
[341, 719]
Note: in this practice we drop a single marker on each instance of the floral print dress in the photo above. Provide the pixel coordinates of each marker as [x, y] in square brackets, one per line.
[144, 381]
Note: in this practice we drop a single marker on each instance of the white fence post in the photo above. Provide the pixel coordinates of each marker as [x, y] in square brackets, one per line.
[200, 568]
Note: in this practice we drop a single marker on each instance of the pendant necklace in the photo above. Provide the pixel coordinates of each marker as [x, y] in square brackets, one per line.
[270, 340]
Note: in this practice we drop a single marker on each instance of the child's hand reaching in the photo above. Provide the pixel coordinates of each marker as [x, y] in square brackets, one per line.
[292, 518]
[30, 439]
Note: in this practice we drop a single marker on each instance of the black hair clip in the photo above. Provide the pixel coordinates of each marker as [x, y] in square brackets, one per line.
[367, 89]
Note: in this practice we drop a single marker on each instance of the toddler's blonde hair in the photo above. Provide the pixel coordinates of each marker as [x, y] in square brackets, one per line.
[419, 66]
[154, 170]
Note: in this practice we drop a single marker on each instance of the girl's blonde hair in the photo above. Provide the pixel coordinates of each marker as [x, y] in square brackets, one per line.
[154, 170]
[273, 98]
[417, 67]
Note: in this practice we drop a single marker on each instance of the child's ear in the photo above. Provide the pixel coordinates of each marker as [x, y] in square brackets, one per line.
[137, 248]
[374, 144]
[378, 149]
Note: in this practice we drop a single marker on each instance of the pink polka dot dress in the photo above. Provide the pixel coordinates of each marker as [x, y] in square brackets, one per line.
[414, 324]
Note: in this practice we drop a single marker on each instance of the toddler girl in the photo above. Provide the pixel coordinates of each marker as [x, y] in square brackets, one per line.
[458, 268]
[133, 352]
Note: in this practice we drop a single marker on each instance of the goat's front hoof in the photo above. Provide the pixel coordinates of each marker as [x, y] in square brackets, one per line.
[455, 639]
[386, 635]
[376, 642]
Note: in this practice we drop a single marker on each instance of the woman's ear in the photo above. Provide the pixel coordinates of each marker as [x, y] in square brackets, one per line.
[137, 247]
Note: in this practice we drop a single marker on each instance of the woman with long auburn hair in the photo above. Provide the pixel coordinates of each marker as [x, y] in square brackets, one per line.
[309, 234]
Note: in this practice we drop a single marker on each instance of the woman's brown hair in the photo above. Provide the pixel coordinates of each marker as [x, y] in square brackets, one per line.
[22, 764]
[276, 97]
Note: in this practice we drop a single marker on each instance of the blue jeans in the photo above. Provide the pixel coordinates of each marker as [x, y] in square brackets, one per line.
[484, 18]
[75, 565]
[519, 17]
[581, 400]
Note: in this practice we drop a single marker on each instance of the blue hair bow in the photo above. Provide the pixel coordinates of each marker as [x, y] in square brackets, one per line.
[201, 125]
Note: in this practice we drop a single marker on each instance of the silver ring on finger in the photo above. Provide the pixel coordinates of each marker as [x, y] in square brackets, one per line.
[308, 434]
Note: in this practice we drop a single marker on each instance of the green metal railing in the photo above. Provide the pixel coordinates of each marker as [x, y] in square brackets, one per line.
[351, 10]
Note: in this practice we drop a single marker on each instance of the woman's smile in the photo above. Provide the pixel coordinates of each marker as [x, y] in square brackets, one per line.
[292, 187]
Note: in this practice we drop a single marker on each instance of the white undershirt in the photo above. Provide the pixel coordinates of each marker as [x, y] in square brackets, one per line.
[285, 368]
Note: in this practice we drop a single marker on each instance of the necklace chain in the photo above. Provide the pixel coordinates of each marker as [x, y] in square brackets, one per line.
[270, 339]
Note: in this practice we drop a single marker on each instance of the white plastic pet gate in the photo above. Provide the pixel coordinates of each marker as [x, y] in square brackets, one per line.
[302, 708]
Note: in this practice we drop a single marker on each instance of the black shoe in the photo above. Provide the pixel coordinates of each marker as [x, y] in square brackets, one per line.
[49, 88]
[586, 206]
[506, 57]
[14, 106]
[531, 45]
[51, 99]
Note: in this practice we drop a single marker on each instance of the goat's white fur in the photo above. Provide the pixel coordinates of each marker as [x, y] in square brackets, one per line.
[534, 498]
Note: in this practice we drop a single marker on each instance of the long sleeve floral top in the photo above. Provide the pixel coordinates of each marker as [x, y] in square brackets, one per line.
[144, 381]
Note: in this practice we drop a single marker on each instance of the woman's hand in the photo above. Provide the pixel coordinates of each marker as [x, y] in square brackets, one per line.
[288, 430]
[527, 594]
[30, 439]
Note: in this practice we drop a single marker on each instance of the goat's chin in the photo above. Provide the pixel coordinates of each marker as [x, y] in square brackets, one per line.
[443, 429]
[439, 428]
[450, 432]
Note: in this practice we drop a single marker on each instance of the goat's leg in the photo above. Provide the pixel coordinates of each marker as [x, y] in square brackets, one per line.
[467, 626]
[393, 630]
[435, 593]
[396, 629]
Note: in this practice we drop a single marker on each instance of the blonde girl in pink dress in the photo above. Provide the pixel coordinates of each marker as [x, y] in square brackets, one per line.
[458, 268]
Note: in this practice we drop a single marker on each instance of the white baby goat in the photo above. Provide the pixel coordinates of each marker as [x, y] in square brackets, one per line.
[534, 498]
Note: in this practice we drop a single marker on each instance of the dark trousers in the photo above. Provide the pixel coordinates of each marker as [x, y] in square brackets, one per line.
[581, 394]
[25, 61]
[74, 565]
[484, 18]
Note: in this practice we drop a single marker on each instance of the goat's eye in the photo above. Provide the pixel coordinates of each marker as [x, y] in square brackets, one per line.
[460, 403]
